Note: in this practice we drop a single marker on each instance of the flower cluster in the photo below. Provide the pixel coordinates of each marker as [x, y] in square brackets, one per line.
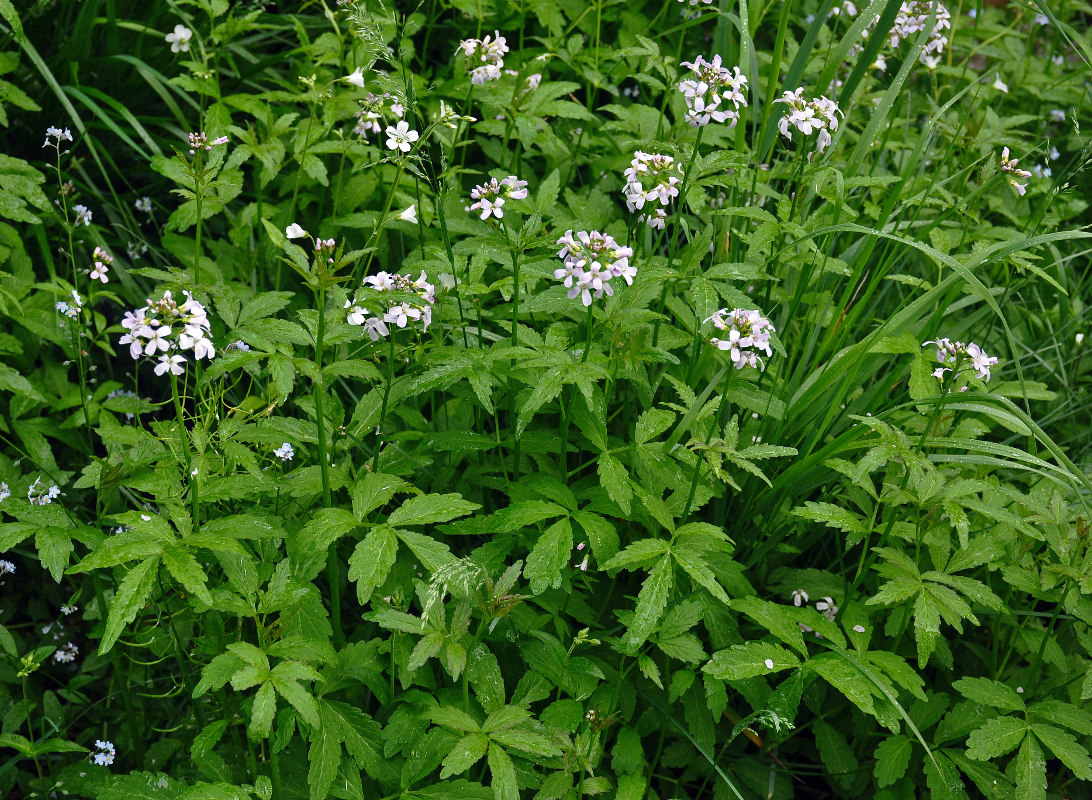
[484, 57]
[83, 215]
[165, 327]
[66, 654]
[324, 246]
[748, 334]
[104, 753]
[809, 116]
[398, 313]
[375, 110]
[489, 197]
[651, 177]
[5, 492]
[73, 309]
[41, 495]
[200, 141]
[6, 567]
[591, 259]
[912, 18]
[1010, 165]
[102, 260]
[58, 136]
[961, 355]
[711, 86]
[285, 452]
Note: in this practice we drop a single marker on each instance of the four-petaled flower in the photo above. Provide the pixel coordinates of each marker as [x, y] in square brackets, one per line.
[180, 39]
[400, 137]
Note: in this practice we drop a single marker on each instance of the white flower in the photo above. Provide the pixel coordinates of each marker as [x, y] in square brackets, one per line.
[1054, 154]
[399, 314]
[769, 663]
[1057, 115]
[400, 137]
[170, 363]
[651, 178]
[69, 609]
[711, 85]
[1079, 338]
[294, 231]
[39, 495]
[285, 452]
[1042, 19]
[5, 492]
[999, 84]
[484, 57]
[180, 39]
[859, 628]
[357, 78]
[808, 116]
[58, 136]
[104, 753]
[409, 215]
[961, 355]
[590, 260]
[799, 597]
[1057, 60]
[490, 197]
[6, 567]
[144, 204]
[826, 605]
[83, 215]
[66, 653]
[748, 334]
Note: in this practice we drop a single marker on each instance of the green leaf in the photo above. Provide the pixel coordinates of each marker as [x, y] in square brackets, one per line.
[428, 509]
[1030, 770]
[615, 479]
[549, 557]
[996, 737]
[749, 659]
[325, 758]
[130, 597]
[262, 712]
[373, 491]
[641, 552]
[371, 561]
[183, 567]
[431, 553]
[601, 533]
[834, 517]
[990, 693]
[54, 546]
[467, 752]
[777, 620]
[1066, 749]
[217, 672]
[485, 677]
[308, 548]
[284, 682]
[651, 602]
[503, 773]
[837, 756]
[892, 759]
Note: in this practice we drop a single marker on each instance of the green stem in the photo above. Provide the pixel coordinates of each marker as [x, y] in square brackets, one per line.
[383, 407]
[332, 563]
[718, 424]
[675, 235]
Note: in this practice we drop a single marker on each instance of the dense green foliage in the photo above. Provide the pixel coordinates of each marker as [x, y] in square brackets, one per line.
[283, 536]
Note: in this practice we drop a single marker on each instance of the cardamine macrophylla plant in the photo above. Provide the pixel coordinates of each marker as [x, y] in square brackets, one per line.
[656, 493]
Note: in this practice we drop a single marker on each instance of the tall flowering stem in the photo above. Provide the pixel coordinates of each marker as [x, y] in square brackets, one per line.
[675, 234]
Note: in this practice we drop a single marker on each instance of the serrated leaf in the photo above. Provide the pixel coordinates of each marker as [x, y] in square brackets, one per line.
[549, 557]
[262, 712]
[371, 561]
[132, 594]
[1066, 749]
[651, 602]
[467, 752]
[185, 569]
[996, 737]
[747, 660]
[990, 693]
[428, 509]
[615, 479]
[892, 759]
[1030, 770]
